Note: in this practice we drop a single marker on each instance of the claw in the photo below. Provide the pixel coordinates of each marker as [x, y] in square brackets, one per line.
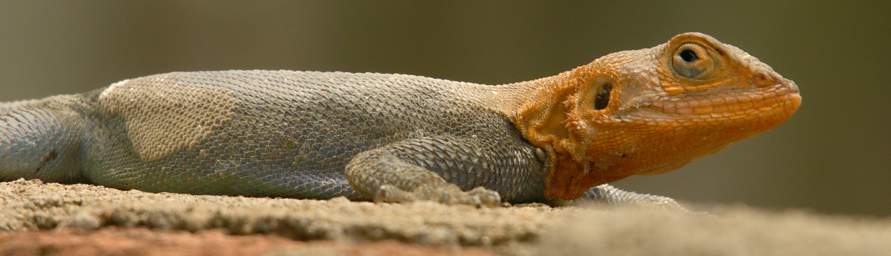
[450, 194]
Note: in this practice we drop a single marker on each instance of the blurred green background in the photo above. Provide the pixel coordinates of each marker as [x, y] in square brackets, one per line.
[832, 156]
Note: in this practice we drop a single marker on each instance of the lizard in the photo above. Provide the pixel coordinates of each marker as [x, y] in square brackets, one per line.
[403, 138]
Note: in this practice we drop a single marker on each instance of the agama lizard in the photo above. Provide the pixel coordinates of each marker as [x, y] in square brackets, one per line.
[396, 138]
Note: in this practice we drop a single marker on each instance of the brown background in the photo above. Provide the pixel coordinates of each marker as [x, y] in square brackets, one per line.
[831, 157]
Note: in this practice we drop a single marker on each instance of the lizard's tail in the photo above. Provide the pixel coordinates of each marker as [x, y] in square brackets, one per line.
[40, 139]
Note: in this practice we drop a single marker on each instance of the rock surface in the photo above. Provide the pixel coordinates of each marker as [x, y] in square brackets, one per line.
[44, 219]
[141, 241]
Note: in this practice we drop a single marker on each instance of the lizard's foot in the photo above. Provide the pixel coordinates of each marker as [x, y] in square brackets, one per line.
[659, 202]
[446, 194]
[611, 195]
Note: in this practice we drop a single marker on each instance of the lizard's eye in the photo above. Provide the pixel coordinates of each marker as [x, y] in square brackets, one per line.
[692, 61]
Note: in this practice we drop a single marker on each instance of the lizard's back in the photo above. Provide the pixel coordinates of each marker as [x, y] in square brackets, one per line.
[277, 133]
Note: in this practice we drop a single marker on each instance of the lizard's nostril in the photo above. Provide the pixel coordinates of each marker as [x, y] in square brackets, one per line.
[764, 80]
[761, 77]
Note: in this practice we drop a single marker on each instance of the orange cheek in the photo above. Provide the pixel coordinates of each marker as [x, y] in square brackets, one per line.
[636, 149]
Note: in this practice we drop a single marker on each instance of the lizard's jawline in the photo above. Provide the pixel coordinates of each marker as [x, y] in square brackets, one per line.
[775, 100]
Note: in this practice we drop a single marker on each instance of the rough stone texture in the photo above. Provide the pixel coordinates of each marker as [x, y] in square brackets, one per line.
[40, 218]
[140, 241]
[31, 205]
[725, 231]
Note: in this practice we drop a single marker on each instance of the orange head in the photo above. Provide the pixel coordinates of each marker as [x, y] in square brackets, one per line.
[650, 111]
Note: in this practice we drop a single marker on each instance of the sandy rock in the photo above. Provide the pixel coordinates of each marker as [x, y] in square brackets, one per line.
[32, 210]
[144, 242]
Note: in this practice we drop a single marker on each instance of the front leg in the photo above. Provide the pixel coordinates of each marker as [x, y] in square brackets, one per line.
[399, 173]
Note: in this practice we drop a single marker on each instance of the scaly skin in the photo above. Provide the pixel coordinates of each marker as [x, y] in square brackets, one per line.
[657, 119]
[398, 138]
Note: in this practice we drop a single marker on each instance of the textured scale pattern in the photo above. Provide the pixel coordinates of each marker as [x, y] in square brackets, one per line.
[284, 133]
[400, 138]
[194, 109]
[37, 137]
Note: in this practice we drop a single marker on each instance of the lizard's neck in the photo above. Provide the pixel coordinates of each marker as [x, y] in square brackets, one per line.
[543, 112]
[514, 99]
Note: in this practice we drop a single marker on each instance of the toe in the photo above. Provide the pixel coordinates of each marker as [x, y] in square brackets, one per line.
[485, 197]
[392, 194]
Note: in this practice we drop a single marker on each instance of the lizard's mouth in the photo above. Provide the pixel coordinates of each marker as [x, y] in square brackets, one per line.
[728, 105]
[689, 126]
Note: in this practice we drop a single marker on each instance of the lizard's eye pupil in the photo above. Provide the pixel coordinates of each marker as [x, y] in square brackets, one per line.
[601, 100]
[689, 55]
[692, 61]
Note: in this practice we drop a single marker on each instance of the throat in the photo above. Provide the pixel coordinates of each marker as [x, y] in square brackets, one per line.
[568, 179]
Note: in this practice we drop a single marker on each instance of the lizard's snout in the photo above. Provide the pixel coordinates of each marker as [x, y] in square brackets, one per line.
[782, 88]
[792, 85]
